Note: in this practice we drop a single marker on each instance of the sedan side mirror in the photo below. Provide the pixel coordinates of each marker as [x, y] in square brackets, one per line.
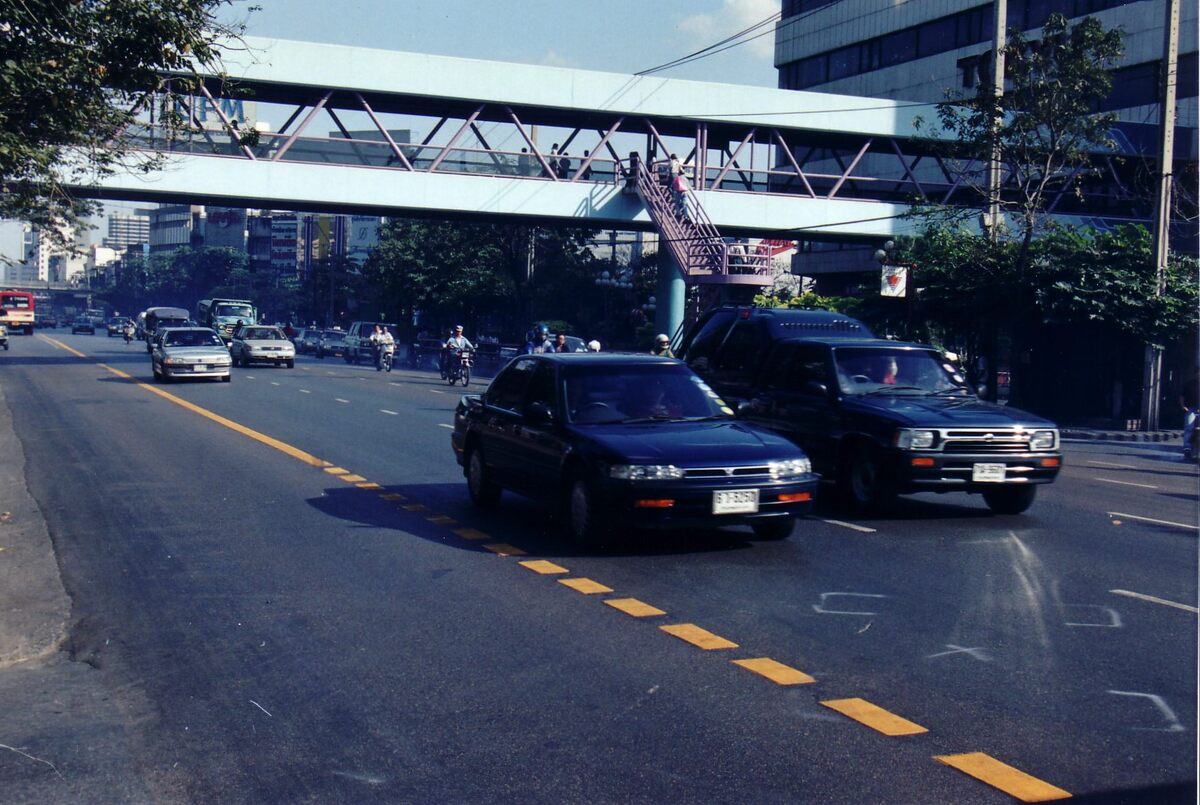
[538, 413]
[816, 389]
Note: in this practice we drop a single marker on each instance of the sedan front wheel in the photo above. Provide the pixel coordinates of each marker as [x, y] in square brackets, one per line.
[586, 524]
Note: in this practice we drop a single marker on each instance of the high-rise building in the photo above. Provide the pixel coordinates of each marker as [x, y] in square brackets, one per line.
[225, 227]
[127, 229]
[174, 226]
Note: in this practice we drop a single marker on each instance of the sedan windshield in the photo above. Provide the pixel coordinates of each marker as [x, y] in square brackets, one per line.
[646, 393]
[263, 334]
[191, 338]
[896, 370]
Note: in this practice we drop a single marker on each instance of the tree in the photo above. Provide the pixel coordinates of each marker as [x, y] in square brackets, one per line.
[1046, 134]
[73, 77]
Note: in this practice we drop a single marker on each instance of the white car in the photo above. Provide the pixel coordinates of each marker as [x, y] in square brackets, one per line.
[189, 352]
[260, 344]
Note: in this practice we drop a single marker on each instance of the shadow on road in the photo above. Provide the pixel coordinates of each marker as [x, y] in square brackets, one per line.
[516, 521]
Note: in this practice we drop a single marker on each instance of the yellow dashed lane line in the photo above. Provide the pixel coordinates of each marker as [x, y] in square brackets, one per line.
[701, 638]
[585, 586]
[1011, 781]
[543, 567]
[504, 549]
[634, 607]
[775, 671]
[874, 717]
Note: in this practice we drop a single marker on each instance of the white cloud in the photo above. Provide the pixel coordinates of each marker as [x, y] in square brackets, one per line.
[731, 17]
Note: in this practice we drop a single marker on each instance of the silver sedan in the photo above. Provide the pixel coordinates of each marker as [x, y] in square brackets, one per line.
[258, 344]
[189, 352]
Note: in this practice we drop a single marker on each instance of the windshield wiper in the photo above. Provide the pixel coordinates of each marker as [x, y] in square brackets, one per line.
[882, 389]
[638, 420]
[946, 392]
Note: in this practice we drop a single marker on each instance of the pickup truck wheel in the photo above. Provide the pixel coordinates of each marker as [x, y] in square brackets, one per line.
[774, 529]
[483, 490]
[585, 521]
[862, 483]
[1009, 499]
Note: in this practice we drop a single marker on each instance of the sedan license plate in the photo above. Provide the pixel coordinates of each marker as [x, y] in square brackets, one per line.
[987, 473]
[200, 367]
[740, 501]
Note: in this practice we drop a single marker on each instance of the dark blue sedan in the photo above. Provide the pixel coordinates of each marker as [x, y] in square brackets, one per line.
[627, 440]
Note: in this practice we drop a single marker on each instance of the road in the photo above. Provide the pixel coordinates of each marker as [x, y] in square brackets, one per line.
[280, 593]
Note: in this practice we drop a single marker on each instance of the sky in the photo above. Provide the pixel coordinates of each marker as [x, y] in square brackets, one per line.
[622, 36]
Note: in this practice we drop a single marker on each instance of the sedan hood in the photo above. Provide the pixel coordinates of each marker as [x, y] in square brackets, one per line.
[198, 354]
[689, 444]
[941, 412]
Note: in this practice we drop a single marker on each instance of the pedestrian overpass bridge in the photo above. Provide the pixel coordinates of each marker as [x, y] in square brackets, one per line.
[397, 133]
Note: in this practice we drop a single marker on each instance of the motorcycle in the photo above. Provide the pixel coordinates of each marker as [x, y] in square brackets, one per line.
[458, 367]
[128, 333]
[383, 357]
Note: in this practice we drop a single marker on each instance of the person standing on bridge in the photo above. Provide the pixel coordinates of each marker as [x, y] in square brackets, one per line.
[524, 163]
[552, 160]
[564, 166]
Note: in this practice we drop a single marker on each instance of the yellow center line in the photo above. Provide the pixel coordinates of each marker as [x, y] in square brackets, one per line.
[702, 638]
[1011, 781]
[441, 519]
[775, 671]
[585, 586]
[634, 607]
[874, 717]
[471, 533]
[369, 485]
[337, 470]
[504, 549]
[542, 566]
[61, 345]
[352, 479]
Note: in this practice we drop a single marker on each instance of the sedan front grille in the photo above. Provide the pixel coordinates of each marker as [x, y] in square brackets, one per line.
[727, 472]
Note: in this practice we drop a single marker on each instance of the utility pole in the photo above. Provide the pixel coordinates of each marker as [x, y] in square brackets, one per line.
[1152, 378]
[999, 42]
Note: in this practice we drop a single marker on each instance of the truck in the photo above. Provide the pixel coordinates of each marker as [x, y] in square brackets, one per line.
[224, 315]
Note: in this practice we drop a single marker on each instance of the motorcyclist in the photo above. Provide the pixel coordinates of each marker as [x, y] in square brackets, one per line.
[457, 341]
[538, 340]
[381, 339]
[128, 330]
[662, 346]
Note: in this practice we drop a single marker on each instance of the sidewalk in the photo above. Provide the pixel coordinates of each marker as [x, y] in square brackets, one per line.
[1094, 435]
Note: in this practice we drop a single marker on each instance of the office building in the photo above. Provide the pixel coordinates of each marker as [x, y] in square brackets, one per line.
[127, 229]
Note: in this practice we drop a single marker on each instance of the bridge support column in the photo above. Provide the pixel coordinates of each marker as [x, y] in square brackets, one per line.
[671, 293]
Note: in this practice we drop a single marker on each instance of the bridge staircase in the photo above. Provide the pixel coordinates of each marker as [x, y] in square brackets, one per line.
[716, 271]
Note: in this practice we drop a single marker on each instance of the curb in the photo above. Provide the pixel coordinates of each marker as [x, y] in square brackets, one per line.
[1122, 436]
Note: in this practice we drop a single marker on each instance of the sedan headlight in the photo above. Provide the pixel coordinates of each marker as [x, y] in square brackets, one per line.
[792, 468]
[1043, 440]
[908, 439]
[174, 361]
[645, 472]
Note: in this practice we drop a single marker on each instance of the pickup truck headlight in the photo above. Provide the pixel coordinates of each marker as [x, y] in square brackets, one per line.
[1043, 440]
[792, 468]
[909, 439]
[645, 472]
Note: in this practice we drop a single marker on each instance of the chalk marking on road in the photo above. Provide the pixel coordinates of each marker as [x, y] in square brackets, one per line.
[1010, 780]
[1114, 617]
[874, 716]
[975, 652]
[585, 586]
[1153, 520]
[775, 671]
[61, 345]
[543, 567]
[864, 529]
[339, 399]
[634, 607]
[259, 706]
[444, 425]
[1155, 600]
[1164, 709]
[701, 638]
[1110, 464]
[1123, 483]
[504, 549]
[472, 534]
[826, 596]
[389, 413]
[305, 391]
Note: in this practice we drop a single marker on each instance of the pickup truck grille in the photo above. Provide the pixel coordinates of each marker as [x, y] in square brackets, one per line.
[994, 441]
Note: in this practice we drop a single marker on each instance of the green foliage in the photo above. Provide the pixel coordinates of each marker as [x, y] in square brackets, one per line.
[72, 77]
[807, 301]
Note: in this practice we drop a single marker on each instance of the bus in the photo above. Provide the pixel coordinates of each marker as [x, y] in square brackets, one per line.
[16, 310]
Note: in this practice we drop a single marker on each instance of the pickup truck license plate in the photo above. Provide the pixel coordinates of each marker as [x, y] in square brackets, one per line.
[987, 473]
[740, 501]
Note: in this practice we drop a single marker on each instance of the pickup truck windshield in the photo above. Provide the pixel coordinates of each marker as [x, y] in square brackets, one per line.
[235, 311]
[895, 370]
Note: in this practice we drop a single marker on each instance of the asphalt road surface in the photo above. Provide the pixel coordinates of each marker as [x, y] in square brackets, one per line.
[280, 593]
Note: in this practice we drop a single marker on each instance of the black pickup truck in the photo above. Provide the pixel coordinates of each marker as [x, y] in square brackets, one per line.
[877, 417]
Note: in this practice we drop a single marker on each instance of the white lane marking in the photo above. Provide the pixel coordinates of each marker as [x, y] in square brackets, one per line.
[854, 526]
[394, 383]
[1164, 709]
[249, 377]
[1122, 483]
[444, 425]
[305, 391]
[339, 399]
[1109, 464]
[437, 391]
[273, 383]
[1152, 520]
[331, 373]
[390, 413]
[1153, 600]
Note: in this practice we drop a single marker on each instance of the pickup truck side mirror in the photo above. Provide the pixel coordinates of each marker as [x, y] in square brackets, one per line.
[538, 413]
[816, 389]
[745, 408]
